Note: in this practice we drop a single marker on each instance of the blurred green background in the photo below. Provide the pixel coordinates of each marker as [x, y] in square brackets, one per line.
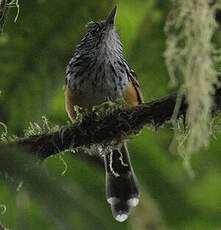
[34, 53]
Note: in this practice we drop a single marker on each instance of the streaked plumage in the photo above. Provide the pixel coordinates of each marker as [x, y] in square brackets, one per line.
[98, 72]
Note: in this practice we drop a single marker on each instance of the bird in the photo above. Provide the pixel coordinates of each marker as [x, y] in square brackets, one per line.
[98, 72]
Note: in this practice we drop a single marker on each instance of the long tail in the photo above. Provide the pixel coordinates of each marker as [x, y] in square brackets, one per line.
[122, 188]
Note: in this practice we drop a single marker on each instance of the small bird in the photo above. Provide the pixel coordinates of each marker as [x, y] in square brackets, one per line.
[98, 72]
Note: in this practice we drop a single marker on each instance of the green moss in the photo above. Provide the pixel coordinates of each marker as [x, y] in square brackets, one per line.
[38, 129]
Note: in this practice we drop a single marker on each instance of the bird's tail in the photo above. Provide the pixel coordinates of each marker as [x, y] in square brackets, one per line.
[122, 188]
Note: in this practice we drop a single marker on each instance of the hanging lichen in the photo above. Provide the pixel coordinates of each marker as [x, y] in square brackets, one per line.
[190, 28]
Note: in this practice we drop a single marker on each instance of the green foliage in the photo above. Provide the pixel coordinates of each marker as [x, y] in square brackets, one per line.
[68, 192]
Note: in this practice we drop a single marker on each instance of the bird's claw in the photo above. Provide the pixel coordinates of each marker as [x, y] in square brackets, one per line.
[61, 133]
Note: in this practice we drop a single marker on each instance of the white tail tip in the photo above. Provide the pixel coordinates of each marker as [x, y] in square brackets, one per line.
[113, 200]
[133, 202]
[121, 217]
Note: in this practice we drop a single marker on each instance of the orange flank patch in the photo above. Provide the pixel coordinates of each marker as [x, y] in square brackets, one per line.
[131, 96]
[70, 102]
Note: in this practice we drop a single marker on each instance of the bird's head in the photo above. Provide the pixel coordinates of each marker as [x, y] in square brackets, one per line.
[101, 36]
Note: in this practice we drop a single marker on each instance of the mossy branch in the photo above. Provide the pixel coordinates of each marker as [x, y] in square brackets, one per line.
[109, 129]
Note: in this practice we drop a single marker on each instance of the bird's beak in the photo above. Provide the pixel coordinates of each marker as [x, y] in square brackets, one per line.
[111, 18]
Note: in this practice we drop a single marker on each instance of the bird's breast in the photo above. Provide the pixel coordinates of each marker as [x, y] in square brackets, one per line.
[99, 84]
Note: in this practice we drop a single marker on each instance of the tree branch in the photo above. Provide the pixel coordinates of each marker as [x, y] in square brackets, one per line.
[109, 129]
